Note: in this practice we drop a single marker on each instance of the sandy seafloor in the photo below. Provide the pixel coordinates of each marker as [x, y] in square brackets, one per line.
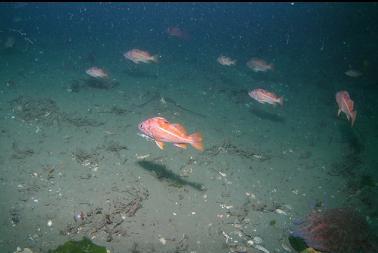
[63, 151]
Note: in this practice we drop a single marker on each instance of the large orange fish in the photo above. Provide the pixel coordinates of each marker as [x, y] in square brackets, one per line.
[346, 105]
[259, 65]
[160, 130]
[96, 72]
[137, 56]
[264, 96]
[226, 61]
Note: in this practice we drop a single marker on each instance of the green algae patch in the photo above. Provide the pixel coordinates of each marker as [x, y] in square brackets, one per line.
[297, 243]
[83, 246]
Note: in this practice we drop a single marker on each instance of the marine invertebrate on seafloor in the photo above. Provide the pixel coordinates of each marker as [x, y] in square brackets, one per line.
[339, 230]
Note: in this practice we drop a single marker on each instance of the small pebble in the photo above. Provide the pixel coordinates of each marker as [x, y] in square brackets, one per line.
[257, 240]
[163, 241]
[49, 223]
[279, 211]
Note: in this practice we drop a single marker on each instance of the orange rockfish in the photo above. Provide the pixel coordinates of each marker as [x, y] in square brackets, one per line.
[263, 96]
[346, 105]
[96, 72]
[226, 61]
[137, 56]
[160, 130]
[259, 65]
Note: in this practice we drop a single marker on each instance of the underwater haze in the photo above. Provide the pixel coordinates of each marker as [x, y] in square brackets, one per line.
[189, 127]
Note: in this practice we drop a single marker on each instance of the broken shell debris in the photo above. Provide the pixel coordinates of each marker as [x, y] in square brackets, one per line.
[257, 240]
[163, 241]
[261, 248]
[225, 206]
[140, 157]
[279, 211]
[25, 250]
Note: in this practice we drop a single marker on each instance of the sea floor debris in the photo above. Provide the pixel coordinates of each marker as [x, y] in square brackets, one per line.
[109, 220]
[45, 111]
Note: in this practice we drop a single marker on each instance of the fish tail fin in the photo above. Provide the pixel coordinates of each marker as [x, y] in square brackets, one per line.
[196, 141]
[281, 101]
[353, 116]
[156, 58]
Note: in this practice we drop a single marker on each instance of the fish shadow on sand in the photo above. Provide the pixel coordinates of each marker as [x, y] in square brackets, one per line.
[139, 73]
[352, 137]
[155, 96]
[161, 172]
[267, 115]
[96, 83]
[104, 84]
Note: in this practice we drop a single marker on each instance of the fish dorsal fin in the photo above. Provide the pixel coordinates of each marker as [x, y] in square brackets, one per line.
[160, 144]
[180, 128]
[162, 122]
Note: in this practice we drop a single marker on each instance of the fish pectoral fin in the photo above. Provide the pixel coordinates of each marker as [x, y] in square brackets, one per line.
[160, 144]
[338, 112]
[181, 145]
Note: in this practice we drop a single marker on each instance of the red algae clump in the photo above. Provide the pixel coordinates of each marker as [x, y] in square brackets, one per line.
[339, 230]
